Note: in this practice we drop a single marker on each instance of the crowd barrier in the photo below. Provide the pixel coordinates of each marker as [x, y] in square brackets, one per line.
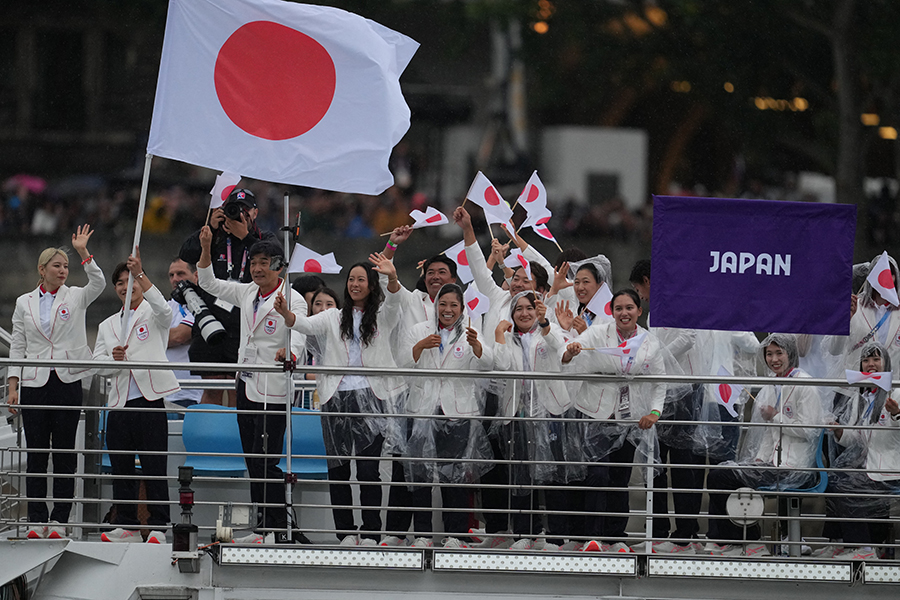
[207, 440]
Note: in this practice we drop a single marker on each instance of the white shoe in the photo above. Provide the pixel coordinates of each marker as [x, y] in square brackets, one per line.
[827, 551]
[522, 544]
[122, 536]
[422, 542]
[252, 538]
[641, 546]
[350, 540]
[367, 542]
[494, 542]
[672, 548]
[452, 542]
[619, 547]
[157, 537]
[713, 549]
[543, 544]
[865, 553]
[38, 532]
[56, 531]
[571, 546]
[732, 550]
[756, 550]
[595, 546]
[477, 535]
[393, 540]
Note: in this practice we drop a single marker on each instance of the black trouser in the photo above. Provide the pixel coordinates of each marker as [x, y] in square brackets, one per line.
[139, 431]
[46, 428]
[495, 498]
[858, 532]
[399, 497]
[685, 503]
[369, 491]
[451, 497]
[264, 434]
[602, 500]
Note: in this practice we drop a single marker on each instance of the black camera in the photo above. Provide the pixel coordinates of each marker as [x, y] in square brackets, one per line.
[212, 331]
[233, 210]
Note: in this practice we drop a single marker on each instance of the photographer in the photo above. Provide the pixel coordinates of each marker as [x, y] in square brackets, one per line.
[234, 231]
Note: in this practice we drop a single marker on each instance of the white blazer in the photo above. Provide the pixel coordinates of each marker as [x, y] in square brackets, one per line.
[327, 325]
[146, 338]
[544, 353]
[882, 443]
[799, 405]
[455, 396]
[262, 333]
[600, 400]
[66, 341]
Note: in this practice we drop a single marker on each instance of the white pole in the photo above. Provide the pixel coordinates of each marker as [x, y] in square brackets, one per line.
[137, 240]
[288, 430]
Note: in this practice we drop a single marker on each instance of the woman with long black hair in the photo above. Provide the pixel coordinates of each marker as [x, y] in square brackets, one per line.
[358, 335]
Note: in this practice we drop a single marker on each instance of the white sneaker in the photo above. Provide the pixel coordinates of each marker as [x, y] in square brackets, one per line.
[865, 553]
[422, 542]
[56, 531]
[393, 540]
[452, 542]
[672, 548]
[641, 546]
[756, 550]
[252, 538]
[122, 536]
[522, 544]
[595, 546]
[494, 542]
[477, 535]
[38, 532]
[350, 540]
[713, 549]
[827, 551]
[367, 542]
[543, 544]
[571, 546]
[732, 550]
[157, 537]
[619, 547]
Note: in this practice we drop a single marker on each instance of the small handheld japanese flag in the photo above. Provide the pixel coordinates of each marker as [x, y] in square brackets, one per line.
[627, 348]
[516, 259]
[483, 193]
[304, 260]
[727, 394]
[600, 303]
[225, 184]
[882, 280]
[534, 196]
[542, 230]
[457, 254]
[882, 378]
[477, 303]
[430, 218]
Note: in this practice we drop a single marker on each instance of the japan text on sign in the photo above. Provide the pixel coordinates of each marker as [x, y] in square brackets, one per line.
[752, 265]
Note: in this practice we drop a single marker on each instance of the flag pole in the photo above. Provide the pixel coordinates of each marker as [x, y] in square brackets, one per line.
[289, 377]
[145, 182]
[491, 231]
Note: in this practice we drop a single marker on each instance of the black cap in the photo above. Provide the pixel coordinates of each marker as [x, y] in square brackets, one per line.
[242, 196]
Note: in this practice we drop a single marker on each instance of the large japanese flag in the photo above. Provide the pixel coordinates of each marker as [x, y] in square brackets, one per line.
[882, 280]
[280, 91]
[304, 260]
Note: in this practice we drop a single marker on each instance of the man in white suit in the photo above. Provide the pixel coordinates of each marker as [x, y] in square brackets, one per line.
[262, 342]
[143, 427]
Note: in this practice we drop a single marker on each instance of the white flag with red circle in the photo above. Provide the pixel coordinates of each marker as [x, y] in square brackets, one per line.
[225, 184]
[477, 303]
[304, 260]
[627, 348]
[457, 254]
[882, 280]
[483, 193]
[430, 218]
[516, 259]
[727, 394]
[601, 303]
[534, 196]
[281, 91]
[881, 378]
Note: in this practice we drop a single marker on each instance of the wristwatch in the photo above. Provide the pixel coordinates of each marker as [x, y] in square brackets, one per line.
[544, 323]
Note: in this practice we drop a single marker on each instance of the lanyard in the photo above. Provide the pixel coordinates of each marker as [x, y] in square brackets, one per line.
[871, 334]
[231, 264]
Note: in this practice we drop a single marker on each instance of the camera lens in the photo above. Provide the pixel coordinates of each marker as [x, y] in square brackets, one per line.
[232, 211]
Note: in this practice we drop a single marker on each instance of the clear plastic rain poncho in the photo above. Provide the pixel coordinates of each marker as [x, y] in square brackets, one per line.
[454, 439]
[600, 263]
[607, 404]
[789, 448]
[871, 323]
[876, 450]
[550, 444]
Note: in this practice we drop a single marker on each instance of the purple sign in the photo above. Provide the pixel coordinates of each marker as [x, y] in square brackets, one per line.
[752, 265]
